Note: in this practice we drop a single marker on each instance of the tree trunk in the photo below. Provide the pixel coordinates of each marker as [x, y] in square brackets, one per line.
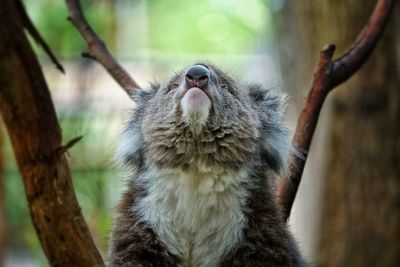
[29, 116]
[361, 215]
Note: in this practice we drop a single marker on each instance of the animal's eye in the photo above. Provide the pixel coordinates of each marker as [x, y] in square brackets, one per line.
[173, 86]
[224, 87]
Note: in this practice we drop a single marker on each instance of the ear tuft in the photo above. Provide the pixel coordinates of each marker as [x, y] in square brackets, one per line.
[141, 96]
[276, 145]
[129, 151]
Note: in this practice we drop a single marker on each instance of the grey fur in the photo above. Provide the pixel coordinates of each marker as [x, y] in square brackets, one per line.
[244, 130]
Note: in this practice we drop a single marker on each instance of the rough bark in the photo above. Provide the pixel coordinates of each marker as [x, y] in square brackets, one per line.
[361, 216]
[31, 122]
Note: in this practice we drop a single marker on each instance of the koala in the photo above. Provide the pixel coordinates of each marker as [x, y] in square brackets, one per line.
[201, 153]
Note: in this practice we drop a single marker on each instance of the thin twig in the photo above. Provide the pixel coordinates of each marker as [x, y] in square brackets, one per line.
[28, 25]
[64, 148]
[97, 48]
[329, 74]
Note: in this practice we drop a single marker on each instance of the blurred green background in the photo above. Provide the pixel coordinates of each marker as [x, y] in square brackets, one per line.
[137, 27]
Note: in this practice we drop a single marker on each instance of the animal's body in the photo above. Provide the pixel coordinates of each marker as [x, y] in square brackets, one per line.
[202, 152]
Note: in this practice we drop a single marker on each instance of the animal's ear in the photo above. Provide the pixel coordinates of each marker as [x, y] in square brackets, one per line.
[275, 143]
[129, 150]
[269, 99]
[141, 96]
[257, 92]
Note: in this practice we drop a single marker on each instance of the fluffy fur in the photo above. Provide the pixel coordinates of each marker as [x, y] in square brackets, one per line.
[200, 192]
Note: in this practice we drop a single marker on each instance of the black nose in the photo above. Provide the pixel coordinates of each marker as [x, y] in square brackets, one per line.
[197, 76]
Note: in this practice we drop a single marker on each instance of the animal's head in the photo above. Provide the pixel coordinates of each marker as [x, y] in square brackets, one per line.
[204, 117]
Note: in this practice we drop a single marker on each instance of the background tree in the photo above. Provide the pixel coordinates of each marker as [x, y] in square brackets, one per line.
[361, 217]
[361, 213]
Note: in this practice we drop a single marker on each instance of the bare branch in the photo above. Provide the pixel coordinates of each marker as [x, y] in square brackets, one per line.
[347, 64]
[27, 23]
[327, 76]
[97, 48]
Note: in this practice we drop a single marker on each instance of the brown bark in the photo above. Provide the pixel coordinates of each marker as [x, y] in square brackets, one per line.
[361, 215]
[29, 116]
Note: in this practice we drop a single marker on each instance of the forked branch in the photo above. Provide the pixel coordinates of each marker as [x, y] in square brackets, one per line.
[97, 49]
[328, 75]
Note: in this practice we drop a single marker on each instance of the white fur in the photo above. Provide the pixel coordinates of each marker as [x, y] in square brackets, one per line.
[198, 213]
[195, 114]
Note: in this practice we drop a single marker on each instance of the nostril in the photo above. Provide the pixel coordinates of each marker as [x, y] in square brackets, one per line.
[203, 78]
[189, 77]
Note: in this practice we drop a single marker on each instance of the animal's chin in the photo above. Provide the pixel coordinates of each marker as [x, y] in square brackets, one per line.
[195, 106]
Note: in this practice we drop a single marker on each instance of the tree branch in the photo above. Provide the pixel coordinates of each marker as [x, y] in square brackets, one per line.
[328, 75]
[27, 23]
[347, 64]
[97, 48]
[28, 113]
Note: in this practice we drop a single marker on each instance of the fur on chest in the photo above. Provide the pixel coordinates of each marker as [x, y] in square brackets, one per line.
[198, 215]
